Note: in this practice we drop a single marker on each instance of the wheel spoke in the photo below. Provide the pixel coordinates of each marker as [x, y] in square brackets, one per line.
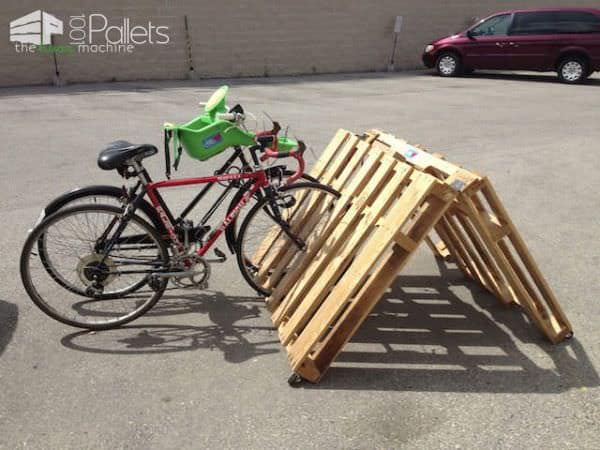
[266, 251]
[77, 282]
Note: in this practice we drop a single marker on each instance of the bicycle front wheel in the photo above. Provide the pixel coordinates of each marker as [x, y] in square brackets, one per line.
[81, 282]
[278, 230]
[232, 231]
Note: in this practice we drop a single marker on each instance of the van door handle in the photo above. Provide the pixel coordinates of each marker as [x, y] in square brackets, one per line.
[512, 44]
[500, 44]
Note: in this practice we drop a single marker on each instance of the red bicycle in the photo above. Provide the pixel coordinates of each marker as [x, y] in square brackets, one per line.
[99, 266]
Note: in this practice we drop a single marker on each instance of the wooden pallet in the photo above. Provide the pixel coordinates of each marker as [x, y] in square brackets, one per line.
[477, 234]
[393, 195]
[385, 210]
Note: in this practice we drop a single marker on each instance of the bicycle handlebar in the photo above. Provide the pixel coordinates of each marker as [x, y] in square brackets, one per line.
[298, 155]
[268, 143]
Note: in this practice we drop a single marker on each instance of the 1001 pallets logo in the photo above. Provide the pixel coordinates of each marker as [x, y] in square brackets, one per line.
[91, 33]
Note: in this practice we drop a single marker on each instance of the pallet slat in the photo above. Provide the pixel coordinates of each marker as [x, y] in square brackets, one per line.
[328, 270]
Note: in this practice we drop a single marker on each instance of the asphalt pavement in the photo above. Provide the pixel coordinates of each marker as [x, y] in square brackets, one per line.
[204, 369]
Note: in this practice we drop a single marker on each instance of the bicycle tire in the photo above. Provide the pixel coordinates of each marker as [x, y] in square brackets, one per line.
[44, 306]
[102, 191]
[245, 228]
[96, 192]
[231, 232]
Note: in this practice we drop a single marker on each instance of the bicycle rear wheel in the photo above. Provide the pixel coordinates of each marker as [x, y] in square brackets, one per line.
[81, 283]
[278, 229]
[100, 195]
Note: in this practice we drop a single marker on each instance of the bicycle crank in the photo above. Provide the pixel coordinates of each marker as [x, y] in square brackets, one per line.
[196, 278]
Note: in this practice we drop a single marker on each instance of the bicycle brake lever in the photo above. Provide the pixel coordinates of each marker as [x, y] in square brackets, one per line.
[276, 128]
[301, 147]
[177, 159]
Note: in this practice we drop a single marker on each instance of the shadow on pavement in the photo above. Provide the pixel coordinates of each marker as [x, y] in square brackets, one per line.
[238, 342]
[9, 314]
[423, 337]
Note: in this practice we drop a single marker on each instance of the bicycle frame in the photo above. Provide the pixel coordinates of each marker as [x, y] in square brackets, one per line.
[238, 154]
[151, 188]
[260, 178]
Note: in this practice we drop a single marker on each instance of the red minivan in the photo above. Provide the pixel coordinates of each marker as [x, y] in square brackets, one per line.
[565, 40]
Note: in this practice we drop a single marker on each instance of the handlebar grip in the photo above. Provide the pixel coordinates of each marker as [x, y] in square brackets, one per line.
[296, 154]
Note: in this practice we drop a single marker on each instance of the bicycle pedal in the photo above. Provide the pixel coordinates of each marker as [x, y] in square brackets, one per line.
[287, 202]
[219, 254]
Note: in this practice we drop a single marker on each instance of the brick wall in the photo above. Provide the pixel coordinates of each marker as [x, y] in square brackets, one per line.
[248, 38]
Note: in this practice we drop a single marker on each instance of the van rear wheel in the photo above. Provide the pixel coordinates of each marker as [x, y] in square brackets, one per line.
[572, 70]
[448, 64]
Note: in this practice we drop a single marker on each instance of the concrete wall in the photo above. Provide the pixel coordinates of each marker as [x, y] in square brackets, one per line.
[233, 38]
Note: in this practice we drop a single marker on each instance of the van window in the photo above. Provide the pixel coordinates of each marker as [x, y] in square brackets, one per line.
[542, 22]
[577, 22]
[494, 26]
[555, 22]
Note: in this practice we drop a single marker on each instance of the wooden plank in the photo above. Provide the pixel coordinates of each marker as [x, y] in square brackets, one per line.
[309, 371]
[399, 213]
[332, 161]
[306, 230]
[348, 233]
[487, 269]
[351, 165]
[303, 212]
[454, 253]
[536, 301]
[497, 280]
[309, 231]
[438, 252]
[338, 162]
[417, 157]
[443, 251]
[361, 180]
[346, 327]
[462, 181]
[342, 247]
[406, 243]
[521, 294]
[338, 142]
[368, 296]
[497, 229]
[523, 252]
[457, 240]
[347, 198]
[348, 159]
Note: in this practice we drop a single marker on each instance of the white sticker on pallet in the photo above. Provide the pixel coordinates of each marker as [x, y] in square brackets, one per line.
[415, 156]
[458, 185]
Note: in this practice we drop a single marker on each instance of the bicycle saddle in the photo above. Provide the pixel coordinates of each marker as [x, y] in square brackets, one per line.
[118, 153]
